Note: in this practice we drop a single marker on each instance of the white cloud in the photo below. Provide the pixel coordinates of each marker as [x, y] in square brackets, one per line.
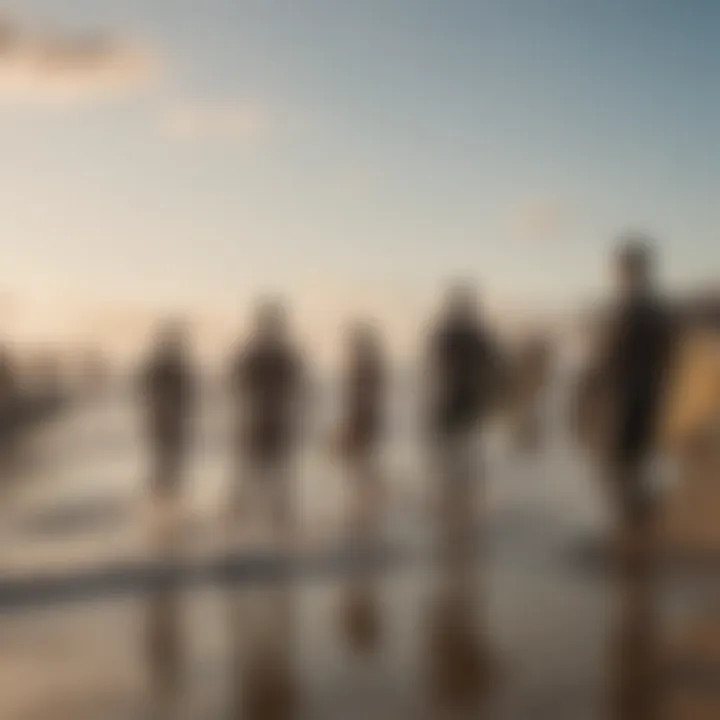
[54, 68]
[225, 119]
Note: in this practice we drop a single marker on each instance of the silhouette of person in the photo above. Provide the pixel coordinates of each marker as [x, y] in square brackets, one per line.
[635, 361]
[364, 386]
[363, 391]
[267, 382]
[168, 386]
[466, 375]
[464, 366]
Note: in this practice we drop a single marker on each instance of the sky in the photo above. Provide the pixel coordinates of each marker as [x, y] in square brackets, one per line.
[174, 155]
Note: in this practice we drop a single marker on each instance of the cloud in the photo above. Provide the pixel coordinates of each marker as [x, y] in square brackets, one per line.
[56, 68]
[225, 119]
[542, 219]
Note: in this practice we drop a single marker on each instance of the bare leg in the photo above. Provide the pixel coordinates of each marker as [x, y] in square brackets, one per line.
[635, 517]
[282, 508]
[165, 494]
[363, 492]
[459, 486]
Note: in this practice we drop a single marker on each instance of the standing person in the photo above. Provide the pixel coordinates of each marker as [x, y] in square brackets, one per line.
[465, 367]
[632, 367]
[168, 386]
[266, 382]
[465, 383]
[364, 385]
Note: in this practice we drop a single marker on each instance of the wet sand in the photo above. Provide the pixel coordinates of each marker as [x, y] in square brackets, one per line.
[534, 634]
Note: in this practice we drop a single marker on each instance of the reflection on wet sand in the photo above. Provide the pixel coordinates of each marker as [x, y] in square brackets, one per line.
[695, 668]
[458, 656]
[635, 655]
[361, 621]
[263, 682]
[165, 653]
[360, 612]
[653, 674]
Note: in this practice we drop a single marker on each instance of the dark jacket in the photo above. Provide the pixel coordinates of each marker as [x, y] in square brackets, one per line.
[464, 366]
[638, 359]
[169, 387]
[266, 384]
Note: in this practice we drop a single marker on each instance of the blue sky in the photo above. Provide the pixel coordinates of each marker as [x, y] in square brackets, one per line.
[358, 153]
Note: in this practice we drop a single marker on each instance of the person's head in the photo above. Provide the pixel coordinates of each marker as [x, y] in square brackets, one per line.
[634, 263]
[461, 304]
[271, 319]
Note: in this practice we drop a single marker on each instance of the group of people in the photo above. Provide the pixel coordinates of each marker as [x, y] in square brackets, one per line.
[469, 376]
[269, 384]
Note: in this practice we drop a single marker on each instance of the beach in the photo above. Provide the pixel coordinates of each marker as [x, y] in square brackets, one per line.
[101, 639]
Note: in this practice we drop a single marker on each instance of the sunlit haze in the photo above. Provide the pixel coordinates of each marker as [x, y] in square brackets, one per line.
[180, 156]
